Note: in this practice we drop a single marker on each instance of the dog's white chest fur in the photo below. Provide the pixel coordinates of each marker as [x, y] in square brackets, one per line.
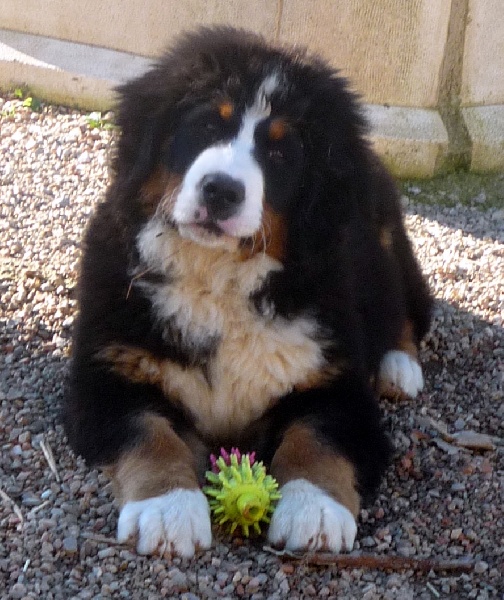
[255, 361]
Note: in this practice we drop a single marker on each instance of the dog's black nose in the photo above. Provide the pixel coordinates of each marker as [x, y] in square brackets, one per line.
[222, 195]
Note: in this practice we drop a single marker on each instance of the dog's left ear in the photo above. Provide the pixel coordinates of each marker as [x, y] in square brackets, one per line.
[336, 192]
[342, 129]
[336, 180]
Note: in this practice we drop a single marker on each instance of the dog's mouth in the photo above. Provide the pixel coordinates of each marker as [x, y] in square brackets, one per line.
[207, 227]
[208, 233]
[201, 231]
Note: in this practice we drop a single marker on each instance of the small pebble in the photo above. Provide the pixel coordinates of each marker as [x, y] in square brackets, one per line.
[480, 567]
[106, 553]
[18, 590]
[70, 544]
[30, 499]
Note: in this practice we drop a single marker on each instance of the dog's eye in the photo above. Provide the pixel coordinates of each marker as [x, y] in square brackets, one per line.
[207, 128]
[207, 131]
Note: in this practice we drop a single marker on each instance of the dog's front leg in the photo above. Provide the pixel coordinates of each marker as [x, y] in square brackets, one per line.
[320, 501]
[157, 487]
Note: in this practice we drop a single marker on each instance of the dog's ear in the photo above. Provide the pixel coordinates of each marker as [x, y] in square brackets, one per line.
[338, 126]
[145, 118]
[336, 177]
[336, 190]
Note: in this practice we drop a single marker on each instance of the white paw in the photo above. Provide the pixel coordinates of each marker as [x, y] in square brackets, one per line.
[177, 522]
[401, 372]
[307, 518]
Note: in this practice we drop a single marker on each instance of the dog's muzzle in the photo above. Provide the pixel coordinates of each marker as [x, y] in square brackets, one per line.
[220, 197]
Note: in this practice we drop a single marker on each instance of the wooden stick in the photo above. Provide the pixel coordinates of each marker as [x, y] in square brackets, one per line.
[49, 456]
[100, 538]
[376, 562]
[17, 511]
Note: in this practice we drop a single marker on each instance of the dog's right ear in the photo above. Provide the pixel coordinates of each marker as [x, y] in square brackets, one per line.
[145, 117]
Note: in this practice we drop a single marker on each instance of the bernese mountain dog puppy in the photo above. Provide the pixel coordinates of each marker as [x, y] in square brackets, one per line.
[247, 282]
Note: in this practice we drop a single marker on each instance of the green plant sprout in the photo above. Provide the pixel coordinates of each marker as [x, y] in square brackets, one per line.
[96, 120]
[29, 101]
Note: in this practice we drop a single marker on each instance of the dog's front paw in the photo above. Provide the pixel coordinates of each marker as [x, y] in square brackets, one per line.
[177, 522]
[307, 518]
[400, 375]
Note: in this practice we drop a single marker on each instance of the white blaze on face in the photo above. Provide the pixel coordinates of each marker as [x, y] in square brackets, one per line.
[236, 160]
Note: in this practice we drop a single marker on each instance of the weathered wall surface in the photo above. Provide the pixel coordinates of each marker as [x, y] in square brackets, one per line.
[482, 85]
[483, 72]
[392, 50]
[431, 72]
[144, 27]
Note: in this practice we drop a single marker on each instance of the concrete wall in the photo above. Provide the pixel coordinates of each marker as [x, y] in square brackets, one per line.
[483, 73]
[430, 71]
[392, 50]
[142, 27]
[482, 86]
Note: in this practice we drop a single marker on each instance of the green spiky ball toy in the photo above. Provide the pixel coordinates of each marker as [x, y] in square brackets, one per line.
[241, 493]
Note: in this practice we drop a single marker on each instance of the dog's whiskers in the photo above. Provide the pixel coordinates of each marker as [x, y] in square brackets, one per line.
[264, 239]
[166, 202]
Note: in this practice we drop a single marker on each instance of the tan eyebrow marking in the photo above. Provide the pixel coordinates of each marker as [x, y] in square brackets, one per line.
[226, 110]
[277, 129]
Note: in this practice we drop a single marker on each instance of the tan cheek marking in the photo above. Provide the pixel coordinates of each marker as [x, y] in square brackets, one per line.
[271, 239]
[301, 455]
[160, 462]
[160, 187]
[276, 233]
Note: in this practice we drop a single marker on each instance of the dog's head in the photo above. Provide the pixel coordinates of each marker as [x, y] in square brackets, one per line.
[227, 137]
[234, 160]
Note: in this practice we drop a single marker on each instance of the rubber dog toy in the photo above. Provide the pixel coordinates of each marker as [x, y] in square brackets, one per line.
[240, 493]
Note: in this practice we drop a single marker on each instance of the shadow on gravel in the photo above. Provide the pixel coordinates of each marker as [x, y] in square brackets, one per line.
[470, 222]
[438, 498]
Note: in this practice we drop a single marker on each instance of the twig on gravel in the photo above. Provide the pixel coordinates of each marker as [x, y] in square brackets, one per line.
[17, 511]
[375, 562]
[46, 449]
[468, 438]
[102, 539]
[36, 509]
[432, 590]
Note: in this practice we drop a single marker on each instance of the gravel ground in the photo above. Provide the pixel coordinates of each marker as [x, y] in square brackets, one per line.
[440, 500]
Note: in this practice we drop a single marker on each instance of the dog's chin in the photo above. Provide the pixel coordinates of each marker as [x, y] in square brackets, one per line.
[209, 236]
